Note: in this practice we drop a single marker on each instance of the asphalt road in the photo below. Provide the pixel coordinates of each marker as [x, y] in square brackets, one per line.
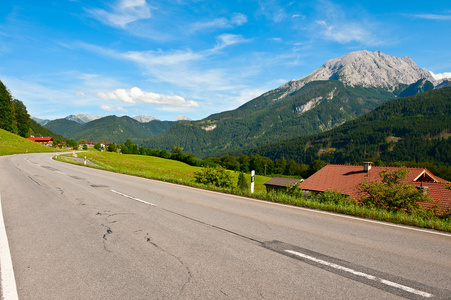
[80, 233]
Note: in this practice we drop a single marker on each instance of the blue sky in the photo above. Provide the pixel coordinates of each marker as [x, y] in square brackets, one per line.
[195, 58]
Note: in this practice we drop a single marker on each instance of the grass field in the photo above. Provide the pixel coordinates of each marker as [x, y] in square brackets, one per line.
[156, 168]
[14, 144]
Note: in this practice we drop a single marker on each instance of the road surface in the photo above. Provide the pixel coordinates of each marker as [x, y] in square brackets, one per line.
[80, 233]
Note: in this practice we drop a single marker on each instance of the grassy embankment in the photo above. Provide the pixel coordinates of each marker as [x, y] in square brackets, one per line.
[181, 173]
[13, 144]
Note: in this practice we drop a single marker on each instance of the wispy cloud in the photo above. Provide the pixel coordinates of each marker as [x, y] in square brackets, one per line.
[226, 40]
[433, 17]
[272, 10]
[134, 95]
[237, 19]
[122, 13]
[338, 25]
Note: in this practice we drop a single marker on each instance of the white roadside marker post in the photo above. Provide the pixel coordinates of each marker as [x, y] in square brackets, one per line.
[252, 180]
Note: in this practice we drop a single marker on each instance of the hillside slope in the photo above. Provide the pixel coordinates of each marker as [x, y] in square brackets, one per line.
[415, 128]
[11, 143]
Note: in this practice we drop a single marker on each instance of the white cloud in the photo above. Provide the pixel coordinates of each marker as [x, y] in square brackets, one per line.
[227, 39]
[342, 26]
[441, 75]
[237, 19]
[135, 95]
[106, 108]
[81, 94]
[433, 17]
[122, 13]
[119, 94]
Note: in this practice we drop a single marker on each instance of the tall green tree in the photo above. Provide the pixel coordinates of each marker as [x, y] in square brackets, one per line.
[6, 114]
[22, 118]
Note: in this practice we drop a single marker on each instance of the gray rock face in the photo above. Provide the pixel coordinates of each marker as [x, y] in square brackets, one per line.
[82, 118]
[144, 118]
[366, 68]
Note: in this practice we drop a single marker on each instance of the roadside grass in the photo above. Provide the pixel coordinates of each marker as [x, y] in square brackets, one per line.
[180, 173]
[11, 143]
[157, 168]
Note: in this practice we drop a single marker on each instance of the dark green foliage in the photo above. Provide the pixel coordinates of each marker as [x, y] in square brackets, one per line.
[215, 176]
[112, 147]
[333, 197]
[21, 117]
[242, 183]
[97, 146]
[391, 193]
[72, 143]
[6, 114]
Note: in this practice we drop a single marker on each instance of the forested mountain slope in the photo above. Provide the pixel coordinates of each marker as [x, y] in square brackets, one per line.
[112, 129]
[415, 128]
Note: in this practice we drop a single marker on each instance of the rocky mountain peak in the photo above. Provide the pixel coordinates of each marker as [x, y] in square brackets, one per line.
[144, 118]
[366, 68]
[82, 118]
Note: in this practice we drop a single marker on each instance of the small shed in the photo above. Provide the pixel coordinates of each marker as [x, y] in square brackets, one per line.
[281, 183]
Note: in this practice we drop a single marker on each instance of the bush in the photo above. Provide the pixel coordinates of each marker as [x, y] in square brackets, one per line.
[391, 193]
[332, 197]
[216, 176]
[242, 182]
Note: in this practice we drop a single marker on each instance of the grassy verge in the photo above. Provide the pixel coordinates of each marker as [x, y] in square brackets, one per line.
[181, 173]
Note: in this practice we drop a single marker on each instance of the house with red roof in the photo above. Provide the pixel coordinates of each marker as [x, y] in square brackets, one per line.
[345, 179]
[48, 141]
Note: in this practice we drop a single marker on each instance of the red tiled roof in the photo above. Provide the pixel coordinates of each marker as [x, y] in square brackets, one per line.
[345, 178]
[282, 181]
[40, 139]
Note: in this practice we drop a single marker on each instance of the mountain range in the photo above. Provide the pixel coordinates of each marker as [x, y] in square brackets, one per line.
[85, 118]
[340, 90]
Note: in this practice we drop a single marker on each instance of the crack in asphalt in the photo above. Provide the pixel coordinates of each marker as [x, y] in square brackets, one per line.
[215, 227]
[32, 179]
[188, 270]
[105, 239]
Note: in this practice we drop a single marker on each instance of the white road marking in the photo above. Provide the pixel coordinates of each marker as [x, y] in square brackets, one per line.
[9, 289]
[133, 198]
[357, 273]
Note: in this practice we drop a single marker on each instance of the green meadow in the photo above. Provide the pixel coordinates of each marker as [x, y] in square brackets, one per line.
[157, 168]
[13, 144]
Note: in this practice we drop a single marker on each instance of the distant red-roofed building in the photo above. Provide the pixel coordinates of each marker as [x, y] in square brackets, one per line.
[345, 179]
[48, 141]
